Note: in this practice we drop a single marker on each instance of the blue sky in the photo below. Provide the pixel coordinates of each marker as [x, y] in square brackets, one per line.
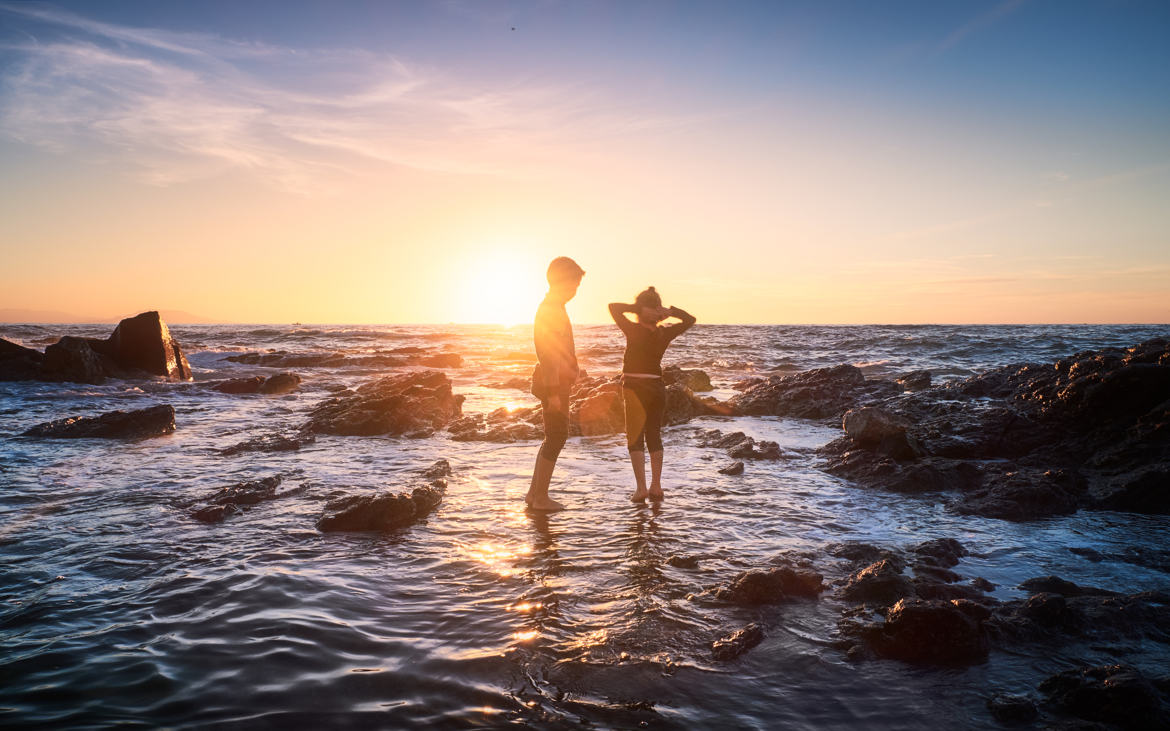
[881, 147]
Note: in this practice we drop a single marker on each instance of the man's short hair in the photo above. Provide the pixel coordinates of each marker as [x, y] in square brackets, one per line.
[564, 269]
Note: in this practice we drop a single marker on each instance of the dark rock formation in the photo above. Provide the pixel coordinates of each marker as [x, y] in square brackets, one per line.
[151, 422]
[271, 443]
[399, 357]
[441, 360]
[1030, 441]
[73, 359]
[18, 363]
[821, 393]
[381, 511]
[944, 552]
[144, 343]
[1112, 694]
[772, 586]
[881, 431]
[683, 562]
[228, 500]
[439, 468]
[501, 425]
[693, 379]
[735, 468]
[933, 631]
[881, 583]
[737, 643]
[740, 446]
[1060, 610]
[411, 404]
[914, 380]
[275, 384]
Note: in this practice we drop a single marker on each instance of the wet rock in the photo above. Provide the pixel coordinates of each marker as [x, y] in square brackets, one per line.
[814, 394]
[228, 501]
[502, 425]
[596, 407]
[933, 631]
[1088, 553]
[881, 583]
[150, 422]
[735, 468]
[683, 562]
[240, 385]
[875, 428]
[864, 554]
[693, 379]
[403, 404]
[1012, 709]
[73, 359]
[1024, 495]
[1057, 585]
[874, 470]
[943, 551]
[772, 586]
[1113, 694]
[914, 380]
[737, 643]
[439, 468]
[271, 443]
[982, 584]
[1145, 490]
[280, 383]
[379, 512]
[521, 383]
[144, 343]
[1046, 617]
[18, 363]
[682, 405]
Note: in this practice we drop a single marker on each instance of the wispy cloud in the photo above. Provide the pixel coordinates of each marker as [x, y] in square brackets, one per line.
[178, 106]
[999, 12]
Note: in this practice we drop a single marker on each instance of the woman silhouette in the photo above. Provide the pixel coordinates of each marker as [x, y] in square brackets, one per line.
[642, 386]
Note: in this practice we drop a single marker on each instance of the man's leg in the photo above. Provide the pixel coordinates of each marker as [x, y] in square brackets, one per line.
[556, 431]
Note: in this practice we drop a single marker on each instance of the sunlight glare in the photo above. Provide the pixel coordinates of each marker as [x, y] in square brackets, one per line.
[501, 288]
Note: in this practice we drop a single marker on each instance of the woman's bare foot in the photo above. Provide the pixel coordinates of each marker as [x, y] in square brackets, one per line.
[639, 495]
[545, 505]
[656, 493]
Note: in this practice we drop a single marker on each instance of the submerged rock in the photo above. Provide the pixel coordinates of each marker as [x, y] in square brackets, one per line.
[275, 384]
[411, 404]
[381, 511]
[1113, 694]
[228, 500]
[270, 443]
[735, 468]
[1012, 709]
[737, 643]
[881, 583]
[772, 586]
[933, 631]
[150, 422]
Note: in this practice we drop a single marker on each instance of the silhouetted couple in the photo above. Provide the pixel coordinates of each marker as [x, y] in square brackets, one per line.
[643, 390]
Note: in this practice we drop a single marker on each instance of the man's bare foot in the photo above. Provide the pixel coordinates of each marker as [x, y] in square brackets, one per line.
[545, 505]
[639, 495]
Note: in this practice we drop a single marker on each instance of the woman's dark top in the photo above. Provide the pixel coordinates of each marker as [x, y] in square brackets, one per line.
[644, 346]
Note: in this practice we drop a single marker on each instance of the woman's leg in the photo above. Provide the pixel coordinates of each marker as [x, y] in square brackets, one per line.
[636, 440]
[655, 413]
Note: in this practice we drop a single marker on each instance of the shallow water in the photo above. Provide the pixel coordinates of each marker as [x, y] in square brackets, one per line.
[118, 607]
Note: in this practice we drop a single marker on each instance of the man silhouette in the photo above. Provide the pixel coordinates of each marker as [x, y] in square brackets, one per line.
[554, 375]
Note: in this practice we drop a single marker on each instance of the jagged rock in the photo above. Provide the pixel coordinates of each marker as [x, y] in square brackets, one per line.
[1057, 585]
[144, 343]
[735, 468]
[275, 384]
[521, 383]
[875, 428]
[693, 379]
[270, 443]
[379, 512]
[932, 631]
[1113, 694]
[73, 359]
[441, 360]
[881, 583]
[407, 403]
[737, 643]
[18, 363]
[240, 385]
[1025, 495]
[501, 425]
[814, 394]
[944, 552]
[914, 380]
[772, 586]
[440, 468]
[683, 562]
[150, 422]
[227, 500]
[1085, 612]
[280, 383]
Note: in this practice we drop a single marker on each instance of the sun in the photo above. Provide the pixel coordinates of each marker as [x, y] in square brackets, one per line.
[501, 289]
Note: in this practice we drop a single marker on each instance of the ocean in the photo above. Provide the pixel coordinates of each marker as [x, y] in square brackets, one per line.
[119, 607]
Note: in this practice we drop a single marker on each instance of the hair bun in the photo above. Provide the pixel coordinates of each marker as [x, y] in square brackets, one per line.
[651, 289]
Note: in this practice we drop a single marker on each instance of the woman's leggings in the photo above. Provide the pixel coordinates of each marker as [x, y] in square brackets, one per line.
[645, 406]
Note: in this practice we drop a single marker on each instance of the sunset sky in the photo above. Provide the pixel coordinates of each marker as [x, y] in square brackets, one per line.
[766, 162]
